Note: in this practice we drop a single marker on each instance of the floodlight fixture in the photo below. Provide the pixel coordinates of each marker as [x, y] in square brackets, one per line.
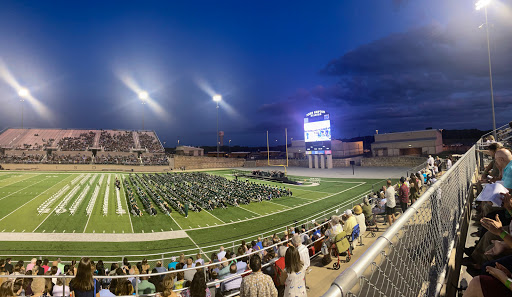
[143, 95]
[23, 93]
[217, 98]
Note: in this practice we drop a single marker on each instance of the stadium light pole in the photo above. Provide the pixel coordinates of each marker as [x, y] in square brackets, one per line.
[143, 95]
[479, 5]
[229, 146]
[217, 99]
[23, 93]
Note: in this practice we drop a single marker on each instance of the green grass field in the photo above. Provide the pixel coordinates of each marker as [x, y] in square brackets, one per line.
[22, 193]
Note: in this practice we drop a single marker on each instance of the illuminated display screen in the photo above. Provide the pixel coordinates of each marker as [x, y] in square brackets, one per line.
[317, 131]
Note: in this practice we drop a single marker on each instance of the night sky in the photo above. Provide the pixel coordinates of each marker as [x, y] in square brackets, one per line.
[386, 65]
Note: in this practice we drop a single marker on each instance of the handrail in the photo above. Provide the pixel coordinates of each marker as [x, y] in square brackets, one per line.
[342, 285]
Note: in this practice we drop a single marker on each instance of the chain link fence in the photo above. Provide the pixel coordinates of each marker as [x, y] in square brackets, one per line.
[410, 258]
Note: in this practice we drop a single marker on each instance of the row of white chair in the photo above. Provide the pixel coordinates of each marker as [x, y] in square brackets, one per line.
[105, 198]
[45, 206]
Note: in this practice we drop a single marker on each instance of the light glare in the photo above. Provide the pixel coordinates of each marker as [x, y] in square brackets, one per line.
[217, 98]
[143, 95]
[23, 92]
[481, 4]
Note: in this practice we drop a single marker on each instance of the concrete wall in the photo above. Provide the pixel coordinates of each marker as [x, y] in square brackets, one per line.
[190, 162]
[85, 167]
[400, 161]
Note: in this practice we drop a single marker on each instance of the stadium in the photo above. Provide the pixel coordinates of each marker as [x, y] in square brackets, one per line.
[184, 150]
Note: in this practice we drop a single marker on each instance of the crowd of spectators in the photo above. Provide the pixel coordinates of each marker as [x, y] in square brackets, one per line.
[68, 159]
[150, 143]
[157, 159]
[131, 159]
[117, 142]
[79, 143]
[24, 158]
[490, 260]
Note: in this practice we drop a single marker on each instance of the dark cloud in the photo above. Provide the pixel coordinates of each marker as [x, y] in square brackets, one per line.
[429, 76]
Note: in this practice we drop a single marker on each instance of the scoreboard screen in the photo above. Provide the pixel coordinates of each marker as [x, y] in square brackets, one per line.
[317, 132]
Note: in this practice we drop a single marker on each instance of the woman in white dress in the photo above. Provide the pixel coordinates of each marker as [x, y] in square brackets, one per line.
[295, 284]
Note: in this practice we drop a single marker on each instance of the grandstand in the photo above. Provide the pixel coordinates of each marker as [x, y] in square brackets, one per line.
[417, 256]
[78, 146]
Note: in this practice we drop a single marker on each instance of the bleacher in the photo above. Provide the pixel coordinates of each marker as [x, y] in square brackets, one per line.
[80, 146]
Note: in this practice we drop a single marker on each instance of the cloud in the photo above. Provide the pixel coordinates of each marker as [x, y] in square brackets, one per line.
[433, 76]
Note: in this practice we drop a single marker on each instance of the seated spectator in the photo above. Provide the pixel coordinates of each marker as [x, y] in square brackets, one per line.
[349, 221]
[257, 283]
[172, 264]
[60, 289]
[124, 288]
[199, 258]
[197, 287]
[159, 267]
[221, 254]
[38, 287]
[32, 263]
[145, 287]
[168, 286]
[232, 285]
[180, 280]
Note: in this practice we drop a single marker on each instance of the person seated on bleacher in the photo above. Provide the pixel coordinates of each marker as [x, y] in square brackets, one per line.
[481, 252]
[367, 209]
[349, 221]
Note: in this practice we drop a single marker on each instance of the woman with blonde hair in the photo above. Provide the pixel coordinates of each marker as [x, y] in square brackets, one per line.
[295, 284]
[168, 284]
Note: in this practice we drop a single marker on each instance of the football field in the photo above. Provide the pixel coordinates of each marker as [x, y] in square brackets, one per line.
[54, 213]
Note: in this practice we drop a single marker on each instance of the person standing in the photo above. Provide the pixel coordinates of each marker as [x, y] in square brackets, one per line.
[403, 194]
[390, 202]
[186, 209]
[257, 283]
[295, 284]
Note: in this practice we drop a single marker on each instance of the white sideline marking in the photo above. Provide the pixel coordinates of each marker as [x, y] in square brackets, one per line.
[33, 199]
[200, 249]
[213, 216]
[176, 222]
[24, 188]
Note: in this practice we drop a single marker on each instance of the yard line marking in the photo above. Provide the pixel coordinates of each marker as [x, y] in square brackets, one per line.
[213, 216]
[24, 188]
[303, 198]
[284, 210]
[200, 249]
[249, 211]
[28, 177]
[278, 204]
[128, 208]
[33, 199]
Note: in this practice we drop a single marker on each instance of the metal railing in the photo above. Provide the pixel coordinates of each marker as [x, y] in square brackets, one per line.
[410, 258]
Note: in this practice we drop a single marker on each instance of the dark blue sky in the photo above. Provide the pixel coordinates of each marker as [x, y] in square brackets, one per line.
[387, 65]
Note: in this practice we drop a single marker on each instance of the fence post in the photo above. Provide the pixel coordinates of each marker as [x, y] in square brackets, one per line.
[137, 285]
